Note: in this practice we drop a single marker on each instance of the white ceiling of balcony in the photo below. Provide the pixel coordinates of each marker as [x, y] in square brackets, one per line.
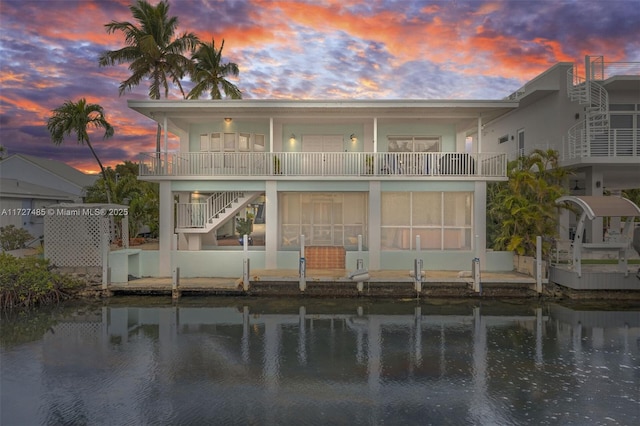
[183, 113]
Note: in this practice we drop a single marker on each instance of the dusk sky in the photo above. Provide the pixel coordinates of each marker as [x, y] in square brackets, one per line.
[314, 49]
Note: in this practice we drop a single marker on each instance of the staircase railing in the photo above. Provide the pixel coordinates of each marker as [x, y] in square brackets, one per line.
[200, 215]
[587, 92]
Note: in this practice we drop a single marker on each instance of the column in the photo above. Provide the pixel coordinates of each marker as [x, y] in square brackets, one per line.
[271, 228]
[375, 200]
[166, 229]
[594, 185]
[480, 222]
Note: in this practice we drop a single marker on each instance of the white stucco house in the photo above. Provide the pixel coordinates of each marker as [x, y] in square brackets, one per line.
[30, 183]
[387, 170]
[409, 176]
[590, 114]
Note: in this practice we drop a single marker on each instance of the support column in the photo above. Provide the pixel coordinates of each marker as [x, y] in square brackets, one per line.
[183, 243]
[166, 229]
[375, 203]
[594, 185]
[479, 144]
[271, 221]
[480, 222]
[375, 134]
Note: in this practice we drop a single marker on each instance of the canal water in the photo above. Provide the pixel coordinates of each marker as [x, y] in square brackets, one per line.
[213, 361]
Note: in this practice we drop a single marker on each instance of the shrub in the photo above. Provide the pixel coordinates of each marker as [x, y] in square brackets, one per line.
[12, 238]
[28, 282]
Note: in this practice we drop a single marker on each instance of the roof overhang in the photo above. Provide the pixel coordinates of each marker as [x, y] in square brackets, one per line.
[184, 112]
[622, 82]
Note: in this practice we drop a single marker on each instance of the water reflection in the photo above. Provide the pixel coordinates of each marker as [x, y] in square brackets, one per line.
[275, 362]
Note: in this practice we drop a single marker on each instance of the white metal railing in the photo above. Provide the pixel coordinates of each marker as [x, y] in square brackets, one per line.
[339, 164]
[612, 143]
[191, 215]
[199, 215]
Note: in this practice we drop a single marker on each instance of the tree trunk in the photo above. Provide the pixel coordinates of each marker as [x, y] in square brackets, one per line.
[107, 184]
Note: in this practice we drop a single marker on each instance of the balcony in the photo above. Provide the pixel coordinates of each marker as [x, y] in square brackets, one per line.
[614, 143]
[339, 165]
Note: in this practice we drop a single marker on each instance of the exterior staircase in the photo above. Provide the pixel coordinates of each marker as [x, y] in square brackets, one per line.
[202, 218]
[589, 137]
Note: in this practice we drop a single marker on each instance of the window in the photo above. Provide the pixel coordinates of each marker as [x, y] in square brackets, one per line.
[243, 142]
[622, 107]
[258, 143]
[229, 142]
[414, 143]
[503, 139]
[333, 219]
[215, 142]
[443, 220]
[204, 142]
[521, 142]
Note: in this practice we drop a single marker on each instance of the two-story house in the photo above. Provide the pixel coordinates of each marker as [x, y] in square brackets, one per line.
[406, 178]
[591, 115]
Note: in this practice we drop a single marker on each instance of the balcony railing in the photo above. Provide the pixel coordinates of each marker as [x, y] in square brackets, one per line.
[609, 143]
[323, 164]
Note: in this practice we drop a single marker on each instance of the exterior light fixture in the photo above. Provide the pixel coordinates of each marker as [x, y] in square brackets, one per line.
[353, 137]
[228, 119]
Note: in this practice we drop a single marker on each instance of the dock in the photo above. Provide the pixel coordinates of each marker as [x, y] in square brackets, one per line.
[336, 283]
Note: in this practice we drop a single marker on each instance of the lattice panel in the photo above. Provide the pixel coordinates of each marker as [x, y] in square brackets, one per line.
[72, 241]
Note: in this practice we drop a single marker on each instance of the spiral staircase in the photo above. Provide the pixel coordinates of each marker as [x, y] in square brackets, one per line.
[589, 137]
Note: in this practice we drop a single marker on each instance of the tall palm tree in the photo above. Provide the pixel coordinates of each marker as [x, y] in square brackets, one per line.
[152, 50]
[210, 73]
[78, 117]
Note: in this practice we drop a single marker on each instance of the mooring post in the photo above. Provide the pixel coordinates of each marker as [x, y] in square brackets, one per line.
[245, 263]
[417, 275]
[360, 275]
[417, 268]
[475, 272]
[302, 268]
[175, 284]
[359, 261]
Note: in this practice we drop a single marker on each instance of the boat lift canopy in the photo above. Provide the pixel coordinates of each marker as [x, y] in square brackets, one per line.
[602, 206]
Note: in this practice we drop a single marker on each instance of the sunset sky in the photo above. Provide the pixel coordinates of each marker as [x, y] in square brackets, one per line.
[314, 49]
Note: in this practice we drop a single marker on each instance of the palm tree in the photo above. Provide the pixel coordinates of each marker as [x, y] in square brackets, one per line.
[210, 73]
[524, 207]
[152, 50]
[77, 117]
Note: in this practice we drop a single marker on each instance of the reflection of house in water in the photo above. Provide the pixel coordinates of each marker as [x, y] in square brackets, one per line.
[455, 357]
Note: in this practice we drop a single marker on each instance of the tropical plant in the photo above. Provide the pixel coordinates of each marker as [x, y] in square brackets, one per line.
[142, 197]
[152, 50]
[77, 117]
[28, 282]
[244, 226]
[210, 74]
[524, 207]
[12, 238]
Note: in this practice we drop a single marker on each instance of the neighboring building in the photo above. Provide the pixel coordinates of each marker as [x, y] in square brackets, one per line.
[592, 120]
[29, 183]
